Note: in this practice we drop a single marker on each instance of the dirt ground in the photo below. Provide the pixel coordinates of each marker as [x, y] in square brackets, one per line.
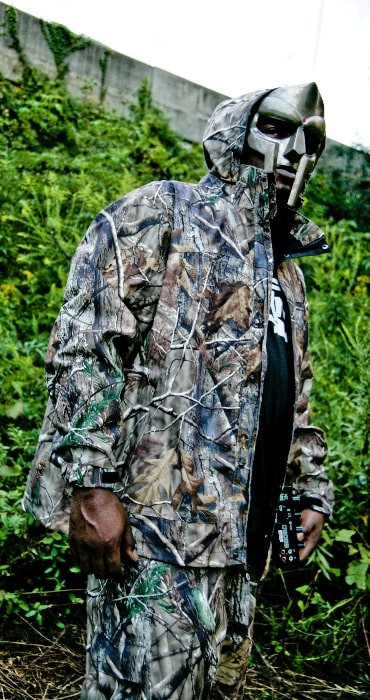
[49, 665]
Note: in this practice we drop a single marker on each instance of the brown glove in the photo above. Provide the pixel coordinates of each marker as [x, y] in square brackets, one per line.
[100, 534]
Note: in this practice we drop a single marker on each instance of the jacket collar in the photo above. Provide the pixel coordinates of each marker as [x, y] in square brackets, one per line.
[305, 238]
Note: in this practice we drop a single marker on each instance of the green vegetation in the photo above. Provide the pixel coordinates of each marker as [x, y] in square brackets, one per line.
[317, 616]
[61, 42]
[61, 161]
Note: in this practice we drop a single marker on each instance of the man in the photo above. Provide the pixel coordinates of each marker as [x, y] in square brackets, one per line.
[179, 377]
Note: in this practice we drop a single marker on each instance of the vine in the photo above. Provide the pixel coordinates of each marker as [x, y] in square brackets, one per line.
[11, 21]
[62, 43]
[103, 63]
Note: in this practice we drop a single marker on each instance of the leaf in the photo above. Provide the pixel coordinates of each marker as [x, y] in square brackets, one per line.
[189, 483]
[157, 483]
[16, 410]
[10, 472]
[157, 479]
[304, 590]
[232, 303]
[186, 275]
[344, 536]
[356, 574]
[205, 614]
[91, 420]
[144, 588]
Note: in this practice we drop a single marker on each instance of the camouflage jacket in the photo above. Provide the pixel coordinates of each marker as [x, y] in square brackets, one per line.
[156, 362]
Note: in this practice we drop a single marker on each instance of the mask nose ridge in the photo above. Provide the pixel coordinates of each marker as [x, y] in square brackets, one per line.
[296, 146]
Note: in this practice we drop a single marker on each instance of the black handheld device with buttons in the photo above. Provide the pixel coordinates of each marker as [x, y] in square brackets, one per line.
[285, 548]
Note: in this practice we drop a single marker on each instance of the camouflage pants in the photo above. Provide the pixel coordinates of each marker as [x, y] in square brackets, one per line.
[160, 634]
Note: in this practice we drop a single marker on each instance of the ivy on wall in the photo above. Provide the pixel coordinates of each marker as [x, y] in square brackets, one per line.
[60, 40]
[103, 63]
[62, 43]
[11, 23]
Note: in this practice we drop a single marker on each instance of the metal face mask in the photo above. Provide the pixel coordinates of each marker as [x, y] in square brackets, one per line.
[294, 116]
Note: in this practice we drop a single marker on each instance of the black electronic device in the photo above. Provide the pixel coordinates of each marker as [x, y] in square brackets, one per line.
[286, 546]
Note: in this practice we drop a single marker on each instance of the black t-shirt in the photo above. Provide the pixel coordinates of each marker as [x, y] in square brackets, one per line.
[275, 430]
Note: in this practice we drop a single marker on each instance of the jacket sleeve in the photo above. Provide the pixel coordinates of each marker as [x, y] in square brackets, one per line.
[309, 449]
[109, 304]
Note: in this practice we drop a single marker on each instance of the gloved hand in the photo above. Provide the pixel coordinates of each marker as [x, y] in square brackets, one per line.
[100, 534]
[312, 524]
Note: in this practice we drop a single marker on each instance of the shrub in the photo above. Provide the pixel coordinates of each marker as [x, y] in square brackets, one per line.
[61, 161]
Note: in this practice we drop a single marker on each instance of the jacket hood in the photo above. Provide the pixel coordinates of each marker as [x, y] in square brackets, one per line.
[225, 133]
[223, 146]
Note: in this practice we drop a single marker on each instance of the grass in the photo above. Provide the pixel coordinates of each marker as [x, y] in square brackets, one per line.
[48, 664]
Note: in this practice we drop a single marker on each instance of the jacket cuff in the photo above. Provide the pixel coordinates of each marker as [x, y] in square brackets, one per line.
[320, 505]
[93, 477]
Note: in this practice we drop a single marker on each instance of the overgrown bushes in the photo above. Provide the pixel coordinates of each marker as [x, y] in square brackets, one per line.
[61, 161]
[317, 618]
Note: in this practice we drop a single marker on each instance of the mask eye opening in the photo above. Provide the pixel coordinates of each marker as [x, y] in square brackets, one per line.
[313, 141]
[274, 128]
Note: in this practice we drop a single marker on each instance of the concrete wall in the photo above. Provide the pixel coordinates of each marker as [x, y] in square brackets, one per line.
[186, 104]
